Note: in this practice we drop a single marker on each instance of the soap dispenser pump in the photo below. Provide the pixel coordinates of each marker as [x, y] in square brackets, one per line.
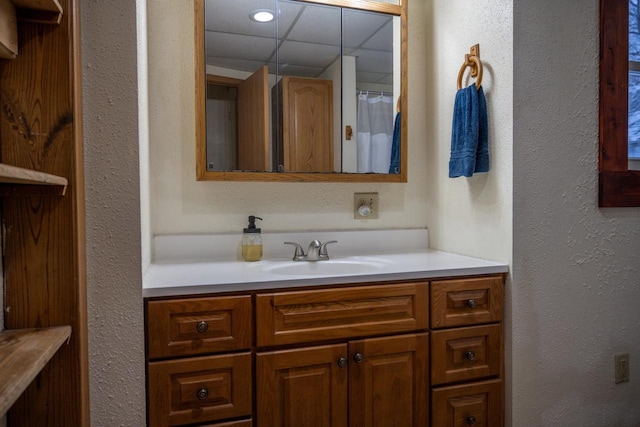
[252, 241]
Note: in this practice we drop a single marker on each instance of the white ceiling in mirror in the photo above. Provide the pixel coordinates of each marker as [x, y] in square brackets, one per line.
[381, 40]
[233, 17]
[360, 27]
[309, 37]
[316, 25]
[225, 46]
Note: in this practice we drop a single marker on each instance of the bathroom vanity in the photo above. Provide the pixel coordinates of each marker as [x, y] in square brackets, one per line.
[413, 338]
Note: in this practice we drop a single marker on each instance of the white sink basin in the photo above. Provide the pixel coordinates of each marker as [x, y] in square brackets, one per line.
[345, 266]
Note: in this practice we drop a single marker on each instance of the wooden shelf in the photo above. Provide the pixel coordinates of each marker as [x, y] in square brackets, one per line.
[12, 180]
[23, 354]
[38, 11]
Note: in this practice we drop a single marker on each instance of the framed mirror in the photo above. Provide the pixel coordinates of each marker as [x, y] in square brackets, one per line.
[290, 90]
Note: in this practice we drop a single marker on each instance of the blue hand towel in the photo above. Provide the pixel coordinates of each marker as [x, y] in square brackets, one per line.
[469, 134]
[482, 153]
[394, 167]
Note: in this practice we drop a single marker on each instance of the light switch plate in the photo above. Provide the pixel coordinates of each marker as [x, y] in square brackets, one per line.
[366, 200]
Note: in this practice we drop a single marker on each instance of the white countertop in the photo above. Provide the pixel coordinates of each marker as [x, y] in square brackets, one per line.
[177, 275]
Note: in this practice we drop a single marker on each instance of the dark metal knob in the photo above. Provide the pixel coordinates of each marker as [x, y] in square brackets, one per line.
[202, 327]
[470, 355]
[202, 394]
[358, 358]
[342, 362]
[471, 420]
[471, 303]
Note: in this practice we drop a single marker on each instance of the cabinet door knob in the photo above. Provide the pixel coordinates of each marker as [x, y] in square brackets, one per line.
[342, 362]
[202, 394]
[471, 420]
[470, 355]
[471, 303]
[358, 358]
[202, 327]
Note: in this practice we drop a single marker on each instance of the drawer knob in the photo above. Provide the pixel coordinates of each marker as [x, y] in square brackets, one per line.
[342, 362]
[202, 394]
[202, 327]
[358, 358]
[470, 355]
[471, 303]
[471, 420]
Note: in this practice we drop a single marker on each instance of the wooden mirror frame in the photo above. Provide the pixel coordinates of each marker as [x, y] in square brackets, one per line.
[202, 174]
[618, 186]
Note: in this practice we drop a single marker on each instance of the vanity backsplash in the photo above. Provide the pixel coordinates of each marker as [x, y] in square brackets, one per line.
[196, 264]
[226, 247]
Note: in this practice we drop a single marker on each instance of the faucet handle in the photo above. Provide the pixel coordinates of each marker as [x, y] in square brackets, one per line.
[323, 248]
[299, 252]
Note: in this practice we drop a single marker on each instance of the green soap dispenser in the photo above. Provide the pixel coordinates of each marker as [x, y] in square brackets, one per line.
[252, 241]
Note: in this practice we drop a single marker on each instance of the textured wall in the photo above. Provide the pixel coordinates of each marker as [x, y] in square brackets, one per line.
[116, 347]
[179, 204]
[576, 268]
[470, 215]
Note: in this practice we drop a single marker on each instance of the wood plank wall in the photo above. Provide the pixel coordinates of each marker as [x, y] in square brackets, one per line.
[40, 128]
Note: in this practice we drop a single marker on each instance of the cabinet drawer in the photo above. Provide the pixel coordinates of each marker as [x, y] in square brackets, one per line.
[464, 405]
[465, 354]
[199, 389]
[198, 325]
[466, 301]
[314, 315]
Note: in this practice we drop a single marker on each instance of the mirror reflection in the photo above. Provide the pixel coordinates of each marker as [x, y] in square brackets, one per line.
[312, 89]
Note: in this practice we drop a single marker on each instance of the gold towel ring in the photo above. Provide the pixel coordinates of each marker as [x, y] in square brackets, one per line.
[472, 60]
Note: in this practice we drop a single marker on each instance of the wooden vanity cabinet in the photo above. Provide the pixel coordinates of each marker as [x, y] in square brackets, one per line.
[357, 382]
[341, 356]
[199, 365]
[370, 382]
[467, 352]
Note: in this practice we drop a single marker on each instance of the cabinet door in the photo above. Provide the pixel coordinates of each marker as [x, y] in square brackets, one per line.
[388, 381]
[302, 388]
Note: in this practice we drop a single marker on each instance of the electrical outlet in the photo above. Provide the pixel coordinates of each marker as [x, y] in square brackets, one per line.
[622, 368]
[365, 206]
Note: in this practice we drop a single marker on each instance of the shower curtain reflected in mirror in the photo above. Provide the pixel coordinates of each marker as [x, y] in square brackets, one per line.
[375, 132]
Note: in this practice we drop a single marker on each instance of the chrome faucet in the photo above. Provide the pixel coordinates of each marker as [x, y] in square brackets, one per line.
[317, 251]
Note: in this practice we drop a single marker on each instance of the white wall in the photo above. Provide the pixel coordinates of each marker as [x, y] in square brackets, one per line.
[470, 215]
[114, 284]
[576, 268]
[179, 204]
